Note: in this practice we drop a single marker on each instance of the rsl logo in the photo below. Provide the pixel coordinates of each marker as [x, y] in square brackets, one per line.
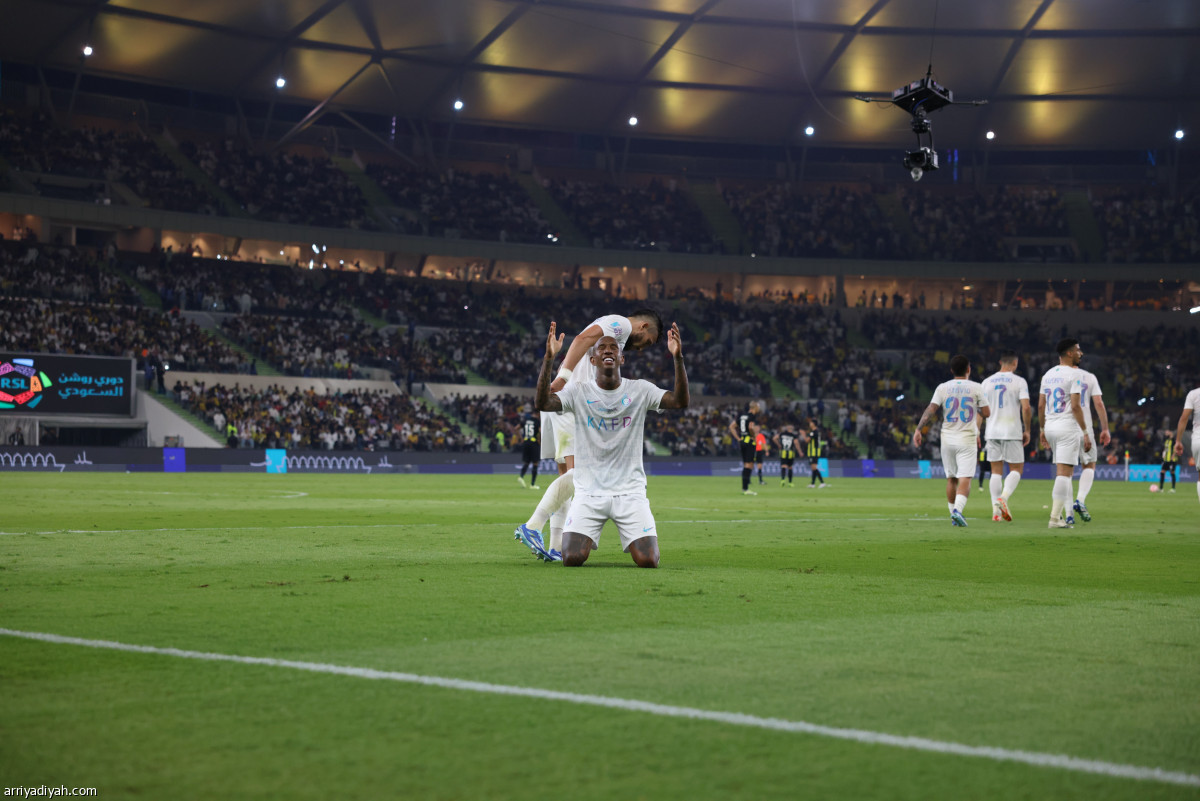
[21, 384]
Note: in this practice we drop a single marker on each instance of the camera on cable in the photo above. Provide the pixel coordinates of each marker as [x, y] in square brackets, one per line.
[919, 99]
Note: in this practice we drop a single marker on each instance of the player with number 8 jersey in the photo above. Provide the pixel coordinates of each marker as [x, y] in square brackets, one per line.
[1064, 429]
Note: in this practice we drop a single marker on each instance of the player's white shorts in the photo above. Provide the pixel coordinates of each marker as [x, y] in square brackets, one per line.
[1092, 454]
[958, 458]
[631, 513]
[558, 436]
[1066, 443]
[1005, 450]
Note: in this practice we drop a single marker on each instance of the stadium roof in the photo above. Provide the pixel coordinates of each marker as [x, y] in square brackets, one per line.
[1095, 74]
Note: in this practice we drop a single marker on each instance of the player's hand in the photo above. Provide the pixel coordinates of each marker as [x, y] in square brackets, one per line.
[1025, 440]
[1179, 449]
[554, 344]
[1043, 445]
[1087, 442]
[1105, 437]
[674, 346]
[917, 438]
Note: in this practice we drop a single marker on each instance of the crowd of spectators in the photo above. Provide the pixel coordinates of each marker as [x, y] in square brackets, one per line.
[780, 219]
[876, 379]
[50, 326]
[783, 220]
[281, 186]
[60, 273]
[653, 216]
[462, 205]
[363, 420]
[1149, 226]
[207, 284]
[979, 226]
[37, 146]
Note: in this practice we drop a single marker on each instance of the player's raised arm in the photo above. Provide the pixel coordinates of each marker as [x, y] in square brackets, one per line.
[545, 400]
[579, 348]
[679, 397]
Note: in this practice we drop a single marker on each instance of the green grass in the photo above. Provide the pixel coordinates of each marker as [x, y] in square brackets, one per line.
[858, 606]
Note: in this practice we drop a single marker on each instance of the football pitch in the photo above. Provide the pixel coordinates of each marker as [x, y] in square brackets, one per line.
[319, 636]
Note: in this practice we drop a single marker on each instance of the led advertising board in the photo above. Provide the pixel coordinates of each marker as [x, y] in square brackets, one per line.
[43, 384]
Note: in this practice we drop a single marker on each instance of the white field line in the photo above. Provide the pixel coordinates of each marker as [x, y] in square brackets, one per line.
[1059, 761]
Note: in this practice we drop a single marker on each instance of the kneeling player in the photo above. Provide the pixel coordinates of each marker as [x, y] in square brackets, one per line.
[610, 418]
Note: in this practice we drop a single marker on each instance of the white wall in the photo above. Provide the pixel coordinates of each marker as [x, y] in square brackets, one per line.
[163, 422]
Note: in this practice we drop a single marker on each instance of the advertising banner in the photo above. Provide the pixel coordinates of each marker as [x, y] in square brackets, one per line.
[42, 384]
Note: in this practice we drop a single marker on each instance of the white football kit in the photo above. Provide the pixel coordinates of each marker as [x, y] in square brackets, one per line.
[1193, 402]
[1089, 387]
[610, 480]
[1005, 427]
[960, 401]
[558, 430]
[1060, 426]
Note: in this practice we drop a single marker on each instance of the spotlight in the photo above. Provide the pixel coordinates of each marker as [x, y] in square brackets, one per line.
[632, 121]
[458, 104]
[990, 135]
[280, 82]
[87, 50]
[1179, 133]
[809, 131]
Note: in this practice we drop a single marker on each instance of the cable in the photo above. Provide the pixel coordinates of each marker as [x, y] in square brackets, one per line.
[803, 69]
[932, 37]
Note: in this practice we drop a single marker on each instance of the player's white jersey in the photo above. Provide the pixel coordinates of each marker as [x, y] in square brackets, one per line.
[609, 428]
[1089, 387]
[1004, 393]
[1058, 385]
[611, 325]
[1193, 402]
[960, 401]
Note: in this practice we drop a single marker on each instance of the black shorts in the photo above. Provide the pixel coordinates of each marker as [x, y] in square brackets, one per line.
[758, 456]
[531, 452]
[786, 461]
[748, 452]
[1169, 467]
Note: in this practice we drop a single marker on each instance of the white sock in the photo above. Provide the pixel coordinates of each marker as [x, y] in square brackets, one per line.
[1010, 484]
[556, 527]
[1085, 483]
[1060, 495]
[949, 506]
[960, 502]
[995, 485]
[1198, 489]
[555, 495]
